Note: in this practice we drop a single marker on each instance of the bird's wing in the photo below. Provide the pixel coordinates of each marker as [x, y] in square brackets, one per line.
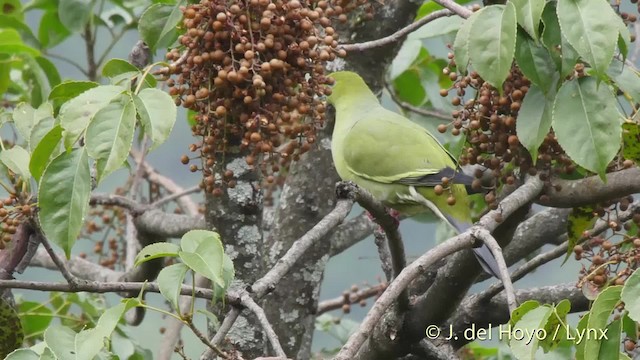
[386, 147]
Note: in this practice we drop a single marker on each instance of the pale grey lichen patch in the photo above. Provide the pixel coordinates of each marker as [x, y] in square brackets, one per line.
[291, 316]
[238, 166]
[302, 299]
[292, 341]
[336, 65]
[231, 251]
[315, 275]
[249, 234]
[242, 192]
[241, 333]
[325, 143]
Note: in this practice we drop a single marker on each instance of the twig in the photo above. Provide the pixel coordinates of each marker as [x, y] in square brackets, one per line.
[71, 279]
[418, 110]
[284, 264]
[510, 204]
[165, 70]
[166, 199]
[353, 298]
[248, 302]
[455, 8]
[68, 61]
[205, 341]
[398, 35]
[222, 332]
[185, 202]
[390, 226]
[496, 251]
[117, 200]
[383, 252]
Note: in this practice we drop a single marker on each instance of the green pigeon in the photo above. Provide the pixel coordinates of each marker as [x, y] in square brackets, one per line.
[396, 160]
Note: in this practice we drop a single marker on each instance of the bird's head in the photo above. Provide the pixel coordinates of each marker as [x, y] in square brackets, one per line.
[347, 86]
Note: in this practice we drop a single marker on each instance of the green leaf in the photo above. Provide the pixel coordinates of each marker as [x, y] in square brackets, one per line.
[11, 43]
[536, 63]
[170, 281]
[49, 69]
[581, 328]
[9, 21]
[110, 135]
[556, 327]
[115, 67]
[599, 314]
[46, 149]
[192, 239]
[76, 114]
[68, 90]
[63, 197]
[17, 160]
[202, 251]
[11, 8]
[590, 27]
[156, 250]
[587, 123]
[158, 114]
[631, 296]
[41, 128]
[407, 54]
[157, 25]
[75, 14]
[409, 87]
[438, 27]
[461, 44]
[228, 274]
[25, 117]
[492, 42]
[521, 310]
[531, 323]
[631, 141]
[51, 31]
[85, 345]
[534, 120]
[610, 344]
[529, 13]
[629, 326]
[35, 317]
[22, 354]
[626, 79]
[581, 219]
[564, 55]
[624, 39]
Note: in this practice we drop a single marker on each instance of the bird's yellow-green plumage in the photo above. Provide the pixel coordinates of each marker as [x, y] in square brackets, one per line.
[386, 153]
[396, 160]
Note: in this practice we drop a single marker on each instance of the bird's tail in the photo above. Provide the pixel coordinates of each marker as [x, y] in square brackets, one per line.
[483, 254]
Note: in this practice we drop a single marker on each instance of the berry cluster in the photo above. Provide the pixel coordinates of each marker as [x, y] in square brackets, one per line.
[253, 72]
[615, 256]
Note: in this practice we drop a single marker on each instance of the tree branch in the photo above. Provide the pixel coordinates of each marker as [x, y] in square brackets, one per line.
[574, 193]
[398, 35]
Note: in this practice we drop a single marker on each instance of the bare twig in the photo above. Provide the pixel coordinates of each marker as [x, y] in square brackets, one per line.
[174, 196]
[205, 341]
[353, 298]
[455, 8]
[222, 332]
[284, 264]
[60, 264]
[117, 200]
[383, 252]
[248, 302]
[398, 35]
[418, 110]
[496, 251]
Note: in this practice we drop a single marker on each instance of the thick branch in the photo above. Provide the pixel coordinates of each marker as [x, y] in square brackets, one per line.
[574, 193]
[165, 225]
